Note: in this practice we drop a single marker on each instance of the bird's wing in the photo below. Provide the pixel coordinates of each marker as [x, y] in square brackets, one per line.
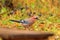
[25, 22]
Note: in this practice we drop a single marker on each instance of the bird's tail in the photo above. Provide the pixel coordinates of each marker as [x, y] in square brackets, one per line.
[15, 21]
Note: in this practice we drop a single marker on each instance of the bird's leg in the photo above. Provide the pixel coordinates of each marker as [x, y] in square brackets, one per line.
[26, 29]
[29, 27]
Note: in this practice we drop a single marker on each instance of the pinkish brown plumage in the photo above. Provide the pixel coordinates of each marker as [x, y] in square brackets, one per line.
[27, 22]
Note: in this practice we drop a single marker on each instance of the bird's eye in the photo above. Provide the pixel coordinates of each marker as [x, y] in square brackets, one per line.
[37, 18]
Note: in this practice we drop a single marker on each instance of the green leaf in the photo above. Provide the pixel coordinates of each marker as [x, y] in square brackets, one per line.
[3, 1]
[46, 8]
[20, 27]
[37, 0]
[58, 20]
[45, 29]
[4, 22]
[10, 22]
[5, 15]
[19, 5]
[40, 6]
[3, 10]
[54, 29]
[32, 5]
[23, 11]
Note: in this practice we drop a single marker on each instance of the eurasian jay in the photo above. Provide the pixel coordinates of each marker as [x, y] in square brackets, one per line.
[27, 22]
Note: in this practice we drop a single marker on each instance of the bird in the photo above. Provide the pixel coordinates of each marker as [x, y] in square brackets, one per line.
[27, 22]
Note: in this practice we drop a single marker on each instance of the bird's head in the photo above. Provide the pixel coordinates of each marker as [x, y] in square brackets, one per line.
[35, 17]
